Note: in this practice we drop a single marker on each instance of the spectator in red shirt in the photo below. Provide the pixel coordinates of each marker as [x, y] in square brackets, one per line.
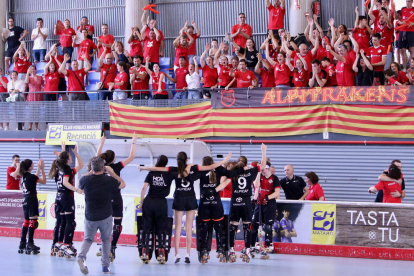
[135, 42]
[241, 32]
[105, 40]
[21, 61]
[139, 80]
[189, 31]
[330, 69]
[12, 182]
[182, 45]
[399, 75]
[378, 55]
[222, 64]
[84, 24]
[157, 81]
[67, 36]
[406, 37]
[179, 78]
[76, 78]
[152, 24]
[300, 72]
[243, 77]
[151, 45]
[344, 74]
[266, 73]
[210, 74]
[361, 31]
[389, 187]
[108, 74]
[318, 76]
[315, 190]
[3, 95]
[120, 83]
[235, 63]
[410, 71]
[276, 14]
[85, 47]
[390, 78]
[51, 81]
[280, 67]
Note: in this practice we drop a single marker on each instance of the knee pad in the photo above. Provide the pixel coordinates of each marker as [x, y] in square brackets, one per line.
[26, 223]
[33, 224]
[233, 227]
[148, 239]
[247, 227]
[117, 228]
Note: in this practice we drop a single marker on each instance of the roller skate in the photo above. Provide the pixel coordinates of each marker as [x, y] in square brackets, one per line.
[222, 256]
[99, 253]
[144, 256]
[66, 252]
[263, 255]
[271, 249]
[161, 256]
[74, 250]
[246, 255]
[203, 256]
[112, 254]
[256, 248]
[32, 249]
[232, 256]
[55, 248]
[22, 247]
[253, 251]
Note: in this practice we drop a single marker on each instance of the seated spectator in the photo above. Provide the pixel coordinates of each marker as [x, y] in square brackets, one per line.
[135, 42]
[76, 78]
[152, 44]
[139, 80]
[179, 78]
[280, 68]
[39, 35]
[67, 37]
[189, 31]
[315, 190]
[13, 41]
[105, 40]
[210, 74]
[389, 187]
[157, 80]
[52, 80]
[119, 86]
[399, 75]
[391, 78]
[222, 64]
[330, 69]
[193, 80]
[318, 76]
[16, 88]
[300, 73]
[35, 83]
[21, 61]
[182, 45]
[266, 73]
[244, 78]
[108, 74]
[364, 70]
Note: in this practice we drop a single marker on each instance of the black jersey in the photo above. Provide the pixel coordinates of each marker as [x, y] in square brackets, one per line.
[220, 171]
[29, 183]
[242, 185]
[183, 186]
[159, 184]
[117, 167]
[69, 172]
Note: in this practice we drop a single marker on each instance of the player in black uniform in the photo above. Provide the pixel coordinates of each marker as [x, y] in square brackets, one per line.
[65, 201]
[241, 205]
[184, 195]
[155, 212]
[30, 203]
[117, 202]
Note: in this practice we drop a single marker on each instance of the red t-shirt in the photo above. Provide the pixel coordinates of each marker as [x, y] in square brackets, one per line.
[73, 83]
[405, 13]
[155, 82]
[281, 74]
[60, 58]
[210, 76]
[308, 58]
[228, 190]
[322, 75]
[89, 27]
[180, 74]
[224, 75]
[362, 38]
[21, 65]
[136, 47]
[273, 52]
[376, 54]
[121, 77]
[139, 84]
[13, 183]
[85, 47]
[51, 82]
[66, 37]
[402, 77]
[152, 49]
[391, 81]
[239, 39]
[315, 192]
[387, 35]
[192, 50]
[322, 52]
[387, 187]
[181, 51]
[331, 75]
[147, 31]
[268, 77]
[2, 89]
[276, 18]
[267, 187]
[107, 39]
[300, 79]
[345, 76]
[111, 71]
[244, 79]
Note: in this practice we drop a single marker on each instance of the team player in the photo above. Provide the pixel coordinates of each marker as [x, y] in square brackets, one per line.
[241, 204]
[30, 202]
[384, 177]
[388, 187]
[267, 189]
[117, 203]
[287, 227]
[65, 201]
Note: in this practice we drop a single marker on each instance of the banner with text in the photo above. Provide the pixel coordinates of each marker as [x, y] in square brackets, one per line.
[295, 96]
[56, 133]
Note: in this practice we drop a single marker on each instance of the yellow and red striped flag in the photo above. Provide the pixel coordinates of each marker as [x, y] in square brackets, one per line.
[199, 120]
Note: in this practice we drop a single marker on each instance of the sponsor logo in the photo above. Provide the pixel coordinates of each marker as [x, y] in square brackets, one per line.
[323, 224]
[239, 199]
[227, 97]
[55, 132]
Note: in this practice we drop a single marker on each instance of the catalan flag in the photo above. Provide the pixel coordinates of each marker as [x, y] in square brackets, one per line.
[199, 120]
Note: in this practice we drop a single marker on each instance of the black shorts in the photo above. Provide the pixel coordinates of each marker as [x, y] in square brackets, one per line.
[405, 40]
[211, 209]
[185, 203]
[30, 207]
[117, 206]
[62, 85]
[66, 203]
[397, 45]
[268, 212]
[241, 208]
[155, 213]
[10, 52]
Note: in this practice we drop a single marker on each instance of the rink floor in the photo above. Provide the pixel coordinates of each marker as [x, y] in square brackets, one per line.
[127, 263]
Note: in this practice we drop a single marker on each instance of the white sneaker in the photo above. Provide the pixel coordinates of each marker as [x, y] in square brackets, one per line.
[6, 128]
[177, 258]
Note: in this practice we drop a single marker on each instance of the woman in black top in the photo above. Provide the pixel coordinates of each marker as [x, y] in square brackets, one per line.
[184, 195]
[30, 203]
[117, 202]
[249, 53]
[364, 70]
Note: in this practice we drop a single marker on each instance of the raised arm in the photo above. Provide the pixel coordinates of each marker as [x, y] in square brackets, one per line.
[263, 162]
[41, 167]
[332, 28]
[101, 58]
[315, 20]
[215, 165]
[101, 144]
[335, 54]
[356, 18]
[88, 65]
[217, 54]
[157, 34]
[78, 158]
[268, 58]
[315, 49]
[354, 42]
[176, 41]
[131, 156]
[144, 28]
[196, 28]
[149, 72]
[196, 69]
[144, 20]
[62, 66]
[366, 60]
[257, 67]
[355, 65]
[288, 63]
[49, 54]
[202, 62]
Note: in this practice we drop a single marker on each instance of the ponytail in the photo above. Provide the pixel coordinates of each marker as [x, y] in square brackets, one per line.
[108, 156]
[59, 164]
[207, 160]
[25, 166]
[182, 164]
